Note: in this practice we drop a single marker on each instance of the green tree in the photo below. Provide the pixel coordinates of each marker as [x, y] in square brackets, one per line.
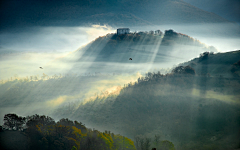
[74, 148]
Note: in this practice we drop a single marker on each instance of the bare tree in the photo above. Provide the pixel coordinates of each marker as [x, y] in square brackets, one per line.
[156, 140]
[137, 142]
[147, 143]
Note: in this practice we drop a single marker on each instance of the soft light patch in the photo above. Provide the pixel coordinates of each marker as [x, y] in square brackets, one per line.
[108, 85]
[215, 95]
[58, 101]
[98, 30]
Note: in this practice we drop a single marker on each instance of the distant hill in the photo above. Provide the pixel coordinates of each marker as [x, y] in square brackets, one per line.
[143, 47]
[171, 11]
[220, 64]
[117, 13]
[224, 8]
[111, 53]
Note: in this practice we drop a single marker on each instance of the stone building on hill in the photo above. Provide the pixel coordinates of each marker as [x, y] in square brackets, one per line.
[123, 31]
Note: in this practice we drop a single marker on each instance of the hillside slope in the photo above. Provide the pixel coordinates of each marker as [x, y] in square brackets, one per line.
[192, 111]
[111, 53]
[142, 47]
[220, 64]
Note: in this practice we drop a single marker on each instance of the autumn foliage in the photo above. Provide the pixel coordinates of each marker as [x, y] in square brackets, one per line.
[46, 134]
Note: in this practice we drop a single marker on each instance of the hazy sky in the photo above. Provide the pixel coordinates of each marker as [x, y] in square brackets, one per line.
[24, 52]
[51, 39]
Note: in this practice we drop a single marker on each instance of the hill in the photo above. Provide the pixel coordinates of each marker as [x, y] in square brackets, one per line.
[114, 13]
[111, 53]
[142, 46]
[193, 111]
[220, 64]
[224, 8]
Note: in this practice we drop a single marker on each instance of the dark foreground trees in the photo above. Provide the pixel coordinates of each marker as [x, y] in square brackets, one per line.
[14, 122]
[44, 133]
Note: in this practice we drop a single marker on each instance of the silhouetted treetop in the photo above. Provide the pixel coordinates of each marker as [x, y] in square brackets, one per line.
[13, 121]
[184, 70]
[36, 119]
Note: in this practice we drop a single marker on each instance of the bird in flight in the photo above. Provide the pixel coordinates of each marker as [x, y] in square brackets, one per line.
[130, 58]
[40, 67]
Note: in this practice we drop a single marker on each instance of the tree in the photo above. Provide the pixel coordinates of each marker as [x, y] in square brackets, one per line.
[147, 143]
[137, 142]
[66, 122]
[13, 121]
[203, 56]
[156, 140]
[183, 70]
[143, 143]
[44, 76]
[1, 128]
[36, 119]
[236, 69]
[74, 148]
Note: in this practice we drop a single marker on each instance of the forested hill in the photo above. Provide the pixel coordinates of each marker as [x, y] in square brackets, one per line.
[219, 64]
[191, 110]
[142, 47]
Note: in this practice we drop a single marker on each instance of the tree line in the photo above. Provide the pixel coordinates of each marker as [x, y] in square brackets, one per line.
[46, 134]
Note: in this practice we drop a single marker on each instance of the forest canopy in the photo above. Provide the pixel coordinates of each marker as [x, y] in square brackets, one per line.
[43, 133]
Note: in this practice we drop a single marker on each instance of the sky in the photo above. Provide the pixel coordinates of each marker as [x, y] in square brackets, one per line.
[51, 39]
[24, 52]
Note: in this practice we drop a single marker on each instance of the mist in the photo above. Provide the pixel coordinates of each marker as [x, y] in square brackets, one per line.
[23, 52]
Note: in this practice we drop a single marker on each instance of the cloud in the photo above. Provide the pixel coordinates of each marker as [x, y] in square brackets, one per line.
[98, 30]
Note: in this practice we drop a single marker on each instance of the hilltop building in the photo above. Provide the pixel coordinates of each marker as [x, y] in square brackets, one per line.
[151, 32]
[158, 32]
[123, 31]
[141, 32]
